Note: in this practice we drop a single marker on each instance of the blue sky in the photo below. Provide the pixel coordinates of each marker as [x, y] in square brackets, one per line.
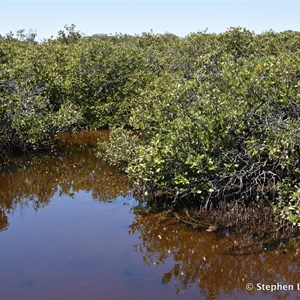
[46, 18]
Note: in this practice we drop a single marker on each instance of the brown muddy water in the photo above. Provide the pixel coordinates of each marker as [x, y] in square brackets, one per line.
[70, 229]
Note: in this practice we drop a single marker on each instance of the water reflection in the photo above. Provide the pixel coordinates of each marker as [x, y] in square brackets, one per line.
[75, 168]
[217, 265]
[3, 221]
[212, 265]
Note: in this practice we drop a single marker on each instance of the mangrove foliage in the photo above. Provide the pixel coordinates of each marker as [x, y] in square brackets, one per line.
[200, 120]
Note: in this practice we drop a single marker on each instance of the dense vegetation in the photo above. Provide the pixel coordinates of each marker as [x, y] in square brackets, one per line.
[203, 120]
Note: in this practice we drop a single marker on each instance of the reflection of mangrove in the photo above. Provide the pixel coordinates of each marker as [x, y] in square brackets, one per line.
[3, 221]
[80, 138]
[218, 265]
[37, 182]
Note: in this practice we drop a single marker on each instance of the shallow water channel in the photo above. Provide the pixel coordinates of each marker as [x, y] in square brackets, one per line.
[70, 229]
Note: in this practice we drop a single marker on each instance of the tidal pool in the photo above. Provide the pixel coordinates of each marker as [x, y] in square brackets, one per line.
[70, 229]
